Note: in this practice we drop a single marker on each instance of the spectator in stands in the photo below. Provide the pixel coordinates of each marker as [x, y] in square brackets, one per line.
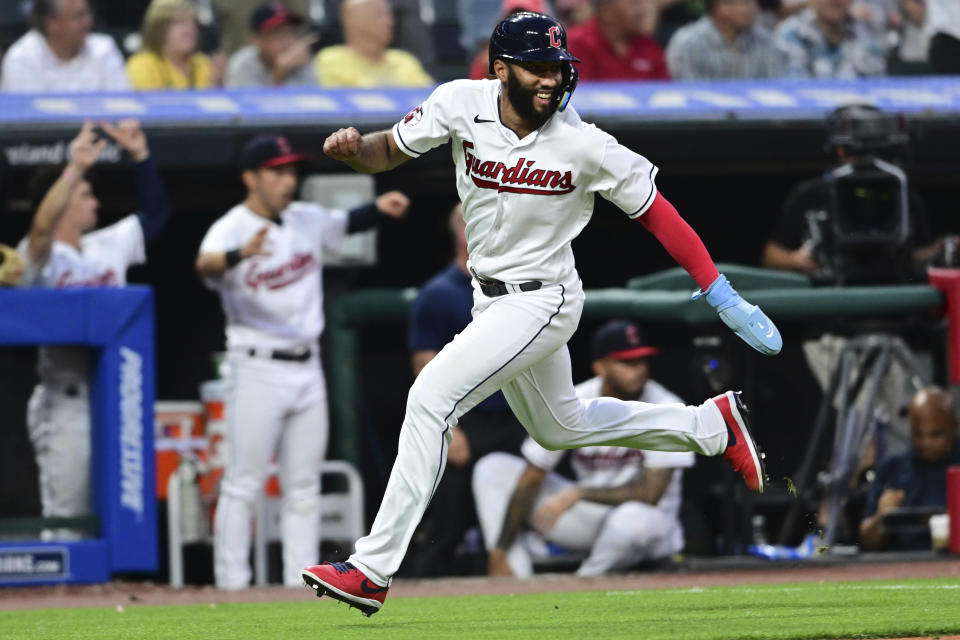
[624, 506]
[909, 55]
[826, 41]
[725, 43]
[915, 477]
[411, 33]
[169, 58]
[573, 12]
[673, 14]
[477, 18]
[612, 45]
[234, 18]
[440, 312]
[60, 54]
[278, 55]
[62, 251]
[480, 67]
[365, 59]
[943, 27]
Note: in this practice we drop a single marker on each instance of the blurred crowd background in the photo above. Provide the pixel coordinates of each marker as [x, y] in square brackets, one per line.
[200, 44]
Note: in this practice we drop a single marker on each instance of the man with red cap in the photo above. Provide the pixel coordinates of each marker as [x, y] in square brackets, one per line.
[623, 507]
[264, 258]
[278, 54]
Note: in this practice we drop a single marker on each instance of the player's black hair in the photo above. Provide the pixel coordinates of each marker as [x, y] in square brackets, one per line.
[43, 179]
[41, 10]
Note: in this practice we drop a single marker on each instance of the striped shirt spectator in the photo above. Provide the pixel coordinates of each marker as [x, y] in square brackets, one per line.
[727, 43]
[849, 49]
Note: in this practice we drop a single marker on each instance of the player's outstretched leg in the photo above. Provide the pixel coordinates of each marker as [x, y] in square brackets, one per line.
[344, 582]
[742, 451]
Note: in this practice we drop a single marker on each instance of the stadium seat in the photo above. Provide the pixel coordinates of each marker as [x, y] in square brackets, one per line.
[341, 517]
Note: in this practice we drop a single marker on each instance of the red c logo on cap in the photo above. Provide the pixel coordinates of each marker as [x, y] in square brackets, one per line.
[554, 33]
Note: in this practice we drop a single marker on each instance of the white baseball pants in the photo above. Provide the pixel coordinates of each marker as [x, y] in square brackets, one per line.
[516, 342]
[59, 427]
[617, 537]
[271, 407]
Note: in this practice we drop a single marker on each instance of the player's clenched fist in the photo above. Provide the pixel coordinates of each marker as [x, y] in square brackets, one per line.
[343, 144]
[393, 204]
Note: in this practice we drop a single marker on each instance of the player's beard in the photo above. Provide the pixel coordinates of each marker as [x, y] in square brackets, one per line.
[615, 389]
[521, 99]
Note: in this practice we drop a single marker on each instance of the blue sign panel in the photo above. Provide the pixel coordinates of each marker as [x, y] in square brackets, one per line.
[119, 323]
[719, 99]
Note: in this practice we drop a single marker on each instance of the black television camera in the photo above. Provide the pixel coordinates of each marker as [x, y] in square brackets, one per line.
[863, 235]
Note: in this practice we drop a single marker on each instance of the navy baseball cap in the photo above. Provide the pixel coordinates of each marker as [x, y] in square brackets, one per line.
[271, 15]
[264, 152]
[620, 340]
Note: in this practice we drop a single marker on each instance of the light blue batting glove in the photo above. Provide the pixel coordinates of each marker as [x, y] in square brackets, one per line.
[747, 320]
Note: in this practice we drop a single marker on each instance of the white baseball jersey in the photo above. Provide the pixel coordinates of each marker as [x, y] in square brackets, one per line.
[275, 301]
[607, 466]
[102, 261]
[524, 203]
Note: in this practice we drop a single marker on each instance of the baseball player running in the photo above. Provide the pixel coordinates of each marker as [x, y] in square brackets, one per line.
[61, 251]
[624, 506]
[264, 258]
[527, 171]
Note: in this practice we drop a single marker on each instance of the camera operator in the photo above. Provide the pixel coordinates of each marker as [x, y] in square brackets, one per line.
[859, 223]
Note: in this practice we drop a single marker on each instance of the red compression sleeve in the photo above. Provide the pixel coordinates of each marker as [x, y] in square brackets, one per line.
[680, 240]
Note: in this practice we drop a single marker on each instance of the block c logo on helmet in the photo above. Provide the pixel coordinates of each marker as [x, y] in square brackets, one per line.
[554, 33]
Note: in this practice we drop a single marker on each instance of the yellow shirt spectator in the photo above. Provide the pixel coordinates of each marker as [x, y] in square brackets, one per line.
[148, 71]
[341, 66]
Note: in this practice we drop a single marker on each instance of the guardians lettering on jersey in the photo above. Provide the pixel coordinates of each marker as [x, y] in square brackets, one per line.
[278, 277]
[598, 459]
[106, 279]
[550, 182]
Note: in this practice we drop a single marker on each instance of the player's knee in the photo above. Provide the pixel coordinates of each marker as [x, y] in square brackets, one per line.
[302, 501]
[241, 488]
[551, 440]
[423, 402]
[304, 488]
[637, 523]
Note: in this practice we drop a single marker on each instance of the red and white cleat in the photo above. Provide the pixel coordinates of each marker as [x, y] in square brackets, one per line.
[344, 582]
[742, 452]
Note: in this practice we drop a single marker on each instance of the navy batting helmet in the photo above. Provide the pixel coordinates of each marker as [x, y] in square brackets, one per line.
[526, 36]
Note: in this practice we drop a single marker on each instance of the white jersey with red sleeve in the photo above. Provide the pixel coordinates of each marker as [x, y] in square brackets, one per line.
[275, 301]
[102, 261]
[524, 203]
[608, 466]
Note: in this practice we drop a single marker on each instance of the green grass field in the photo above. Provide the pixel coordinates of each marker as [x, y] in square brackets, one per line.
[829, 610]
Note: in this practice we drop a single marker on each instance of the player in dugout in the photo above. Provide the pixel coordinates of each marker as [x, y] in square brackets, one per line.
[264, 258]
[62, 250]
[623, 508]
